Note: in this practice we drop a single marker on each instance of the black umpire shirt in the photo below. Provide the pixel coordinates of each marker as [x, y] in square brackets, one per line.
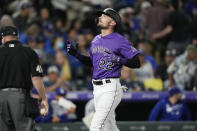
[17, 65]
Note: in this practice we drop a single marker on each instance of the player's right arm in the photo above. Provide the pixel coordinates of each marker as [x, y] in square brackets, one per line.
[72, 50]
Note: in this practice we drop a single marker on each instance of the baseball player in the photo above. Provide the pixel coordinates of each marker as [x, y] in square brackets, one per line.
[109, 51]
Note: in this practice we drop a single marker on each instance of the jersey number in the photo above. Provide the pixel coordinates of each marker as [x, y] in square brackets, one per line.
[39, 68]
[105, 65]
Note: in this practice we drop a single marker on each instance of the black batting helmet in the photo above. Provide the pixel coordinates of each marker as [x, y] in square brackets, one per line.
[113, 14]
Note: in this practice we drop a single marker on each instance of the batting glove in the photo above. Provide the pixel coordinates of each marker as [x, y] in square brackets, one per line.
[72, 50]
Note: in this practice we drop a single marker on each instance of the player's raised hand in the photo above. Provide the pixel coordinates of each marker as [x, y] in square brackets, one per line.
[72, 50]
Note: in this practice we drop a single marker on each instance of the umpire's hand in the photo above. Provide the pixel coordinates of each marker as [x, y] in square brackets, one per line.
[44, 104]
[72, 50]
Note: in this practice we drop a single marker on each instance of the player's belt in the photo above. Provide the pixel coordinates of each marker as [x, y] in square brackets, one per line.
[101, 82]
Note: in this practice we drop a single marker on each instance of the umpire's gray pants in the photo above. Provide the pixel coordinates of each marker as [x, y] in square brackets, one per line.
[12, 116]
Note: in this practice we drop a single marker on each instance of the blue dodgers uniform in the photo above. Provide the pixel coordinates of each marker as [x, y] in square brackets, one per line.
[165, 111]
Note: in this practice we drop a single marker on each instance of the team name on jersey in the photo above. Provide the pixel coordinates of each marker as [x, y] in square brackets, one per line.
[99, 49]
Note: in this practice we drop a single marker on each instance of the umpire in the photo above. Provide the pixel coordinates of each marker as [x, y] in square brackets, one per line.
[19, 71]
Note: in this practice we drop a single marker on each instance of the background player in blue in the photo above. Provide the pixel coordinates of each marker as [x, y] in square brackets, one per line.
[171, 108]
[109, 51]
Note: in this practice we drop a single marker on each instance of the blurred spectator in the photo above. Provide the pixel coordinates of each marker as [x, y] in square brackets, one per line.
[161, 71]
[76, 25]
[130, 25]
[31, 42]
[128, 79]
[83, 49]
[58, 43]
[72, 33]
[21, 21]
[60, 30]
[89, 36]
[193, 29]
[191, 8]
[142, 46]
[171, 108]
[59, 4]
[53, 81]
[145, 6]
[44, 17]
[82, 44]
[45, 58]
[59, 26]
[154, 23]
[63, 109]
[177, 27]
[14, 7]
[117, 4]
[6, 20]
[86, 8]
[155, 17]
[64, 66]
[194, 41]
[145, 71]
[133, 22]
[183, 69]
[101, 3]
[125, 27]
[48, 35]
[33, 31]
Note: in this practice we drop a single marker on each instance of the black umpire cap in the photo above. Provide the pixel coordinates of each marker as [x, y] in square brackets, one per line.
[113, 14]
[9, 30]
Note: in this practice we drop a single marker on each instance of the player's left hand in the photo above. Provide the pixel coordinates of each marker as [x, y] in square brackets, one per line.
[112, 57]
[72, 50]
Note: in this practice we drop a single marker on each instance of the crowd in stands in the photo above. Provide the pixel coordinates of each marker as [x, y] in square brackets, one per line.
[164, 30]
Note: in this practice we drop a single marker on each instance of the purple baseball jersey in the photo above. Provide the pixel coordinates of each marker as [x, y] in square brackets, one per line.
[115, 43]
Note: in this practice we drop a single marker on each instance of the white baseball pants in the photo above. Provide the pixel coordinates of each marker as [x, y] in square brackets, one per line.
[106, 99]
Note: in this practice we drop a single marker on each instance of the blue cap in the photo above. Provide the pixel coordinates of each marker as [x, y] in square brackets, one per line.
[61, 91]
[175, 90]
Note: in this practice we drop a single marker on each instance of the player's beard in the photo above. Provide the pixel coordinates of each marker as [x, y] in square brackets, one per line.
[103, 26]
